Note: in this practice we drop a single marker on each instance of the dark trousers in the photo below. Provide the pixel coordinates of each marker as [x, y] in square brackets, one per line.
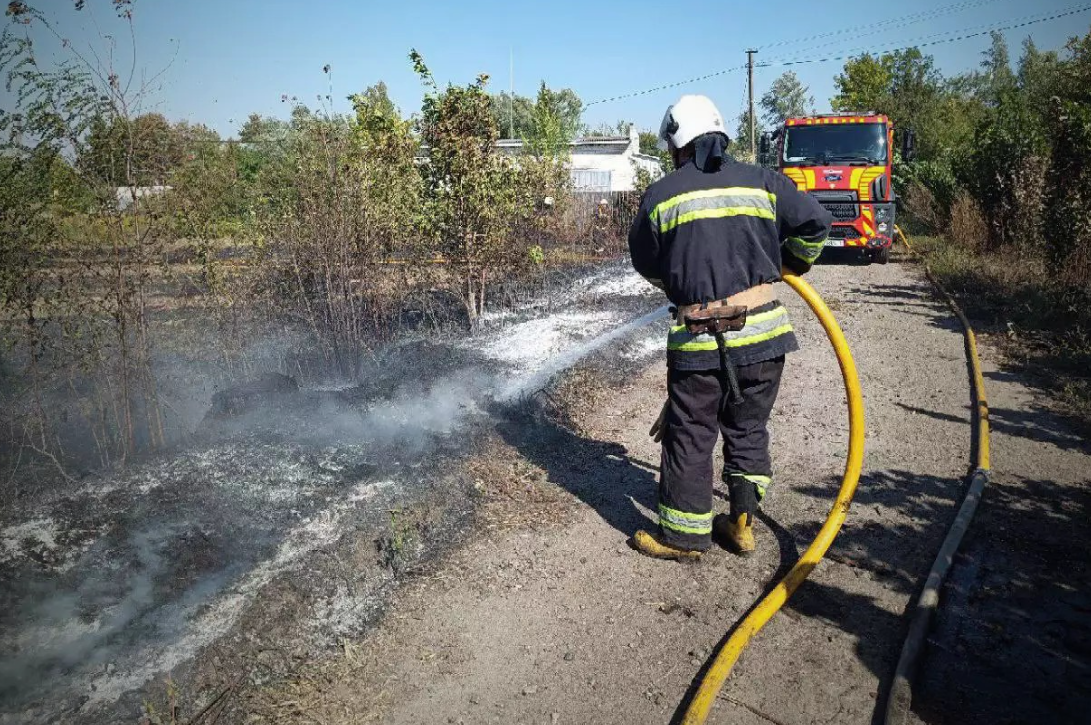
[698, 412]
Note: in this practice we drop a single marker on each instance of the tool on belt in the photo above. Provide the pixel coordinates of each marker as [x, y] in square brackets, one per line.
[705, 320]
[715, 321]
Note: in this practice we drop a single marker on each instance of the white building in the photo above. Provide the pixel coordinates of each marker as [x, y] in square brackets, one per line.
[603, 164]
[127, 195]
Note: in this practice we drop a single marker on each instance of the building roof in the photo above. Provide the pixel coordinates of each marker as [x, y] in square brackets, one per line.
[600, 144]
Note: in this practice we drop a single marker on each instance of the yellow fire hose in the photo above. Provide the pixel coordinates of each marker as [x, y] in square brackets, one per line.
[900, 695]
[718, 672]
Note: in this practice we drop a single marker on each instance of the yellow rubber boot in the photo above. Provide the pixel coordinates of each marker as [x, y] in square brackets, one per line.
[735, 535]
[650, 545]
[735, 531]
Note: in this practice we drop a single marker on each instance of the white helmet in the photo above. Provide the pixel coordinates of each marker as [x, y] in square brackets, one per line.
[690, 117]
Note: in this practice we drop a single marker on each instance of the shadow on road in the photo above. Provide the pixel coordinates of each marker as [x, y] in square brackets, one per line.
[1034, 424]
[600, 474]
[1012, 642]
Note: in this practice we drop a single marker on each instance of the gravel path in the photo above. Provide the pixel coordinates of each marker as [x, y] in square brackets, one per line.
[549, 622]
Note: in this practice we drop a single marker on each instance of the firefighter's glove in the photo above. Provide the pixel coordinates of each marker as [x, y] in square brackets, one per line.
[660, 425]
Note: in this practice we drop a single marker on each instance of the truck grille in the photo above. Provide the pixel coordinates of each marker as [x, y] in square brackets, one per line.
[841, 204]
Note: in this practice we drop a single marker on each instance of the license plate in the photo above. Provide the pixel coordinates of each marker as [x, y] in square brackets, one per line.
[835, 242]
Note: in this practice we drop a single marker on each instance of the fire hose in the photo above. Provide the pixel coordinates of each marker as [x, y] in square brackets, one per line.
[718, 672]
[899, 697]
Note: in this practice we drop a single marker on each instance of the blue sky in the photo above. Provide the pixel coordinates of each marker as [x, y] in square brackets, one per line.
[224, 59]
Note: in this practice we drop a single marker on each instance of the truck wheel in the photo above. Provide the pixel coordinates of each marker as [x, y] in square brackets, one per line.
[882, 256]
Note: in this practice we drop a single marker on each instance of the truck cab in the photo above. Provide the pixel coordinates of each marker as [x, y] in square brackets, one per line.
[844, 160]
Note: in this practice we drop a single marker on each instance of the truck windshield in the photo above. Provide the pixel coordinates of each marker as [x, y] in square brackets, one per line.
[862, 143]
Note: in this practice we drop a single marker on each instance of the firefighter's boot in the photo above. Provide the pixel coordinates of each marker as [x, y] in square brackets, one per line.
[652, 545]
[735, 531]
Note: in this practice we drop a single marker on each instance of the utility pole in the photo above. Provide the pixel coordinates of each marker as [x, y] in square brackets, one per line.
[511, 95]
[750, 85]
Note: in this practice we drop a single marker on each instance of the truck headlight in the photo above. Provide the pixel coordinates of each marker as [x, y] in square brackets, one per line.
[883, 226]
[882, 212]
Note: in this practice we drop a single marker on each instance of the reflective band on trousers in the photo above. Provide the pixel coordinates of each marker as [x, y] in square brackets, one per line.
[807, 251]
[714, 204]
[759, 328]
[682, 522]
[761, 483]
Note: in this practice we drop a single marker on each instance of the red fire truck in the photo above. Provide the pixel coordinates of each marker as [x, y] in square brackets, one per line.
[844, 160]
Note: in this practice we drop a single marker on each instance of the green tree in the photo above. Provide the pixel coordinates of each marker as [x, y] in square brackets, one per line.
[740, 145]
[138, 152]
[549, 132]
[786, 97]
[263, 144]
[997, 77]
[392, 184]
[1068, 207]
[863, 84]
[471, 197]
[514, 117]
[1038, 76]
[904, 85]
[512, 114]
[566, 104]
[649, 145]
[1006, 168]
[258, 129]
[915, 88]
[606, 130]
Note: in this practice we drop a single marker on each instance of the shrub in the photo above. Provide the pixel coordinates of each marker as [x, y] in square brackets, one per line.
[937, 176]
[1003, 165]
[923, 212]
[968, 225]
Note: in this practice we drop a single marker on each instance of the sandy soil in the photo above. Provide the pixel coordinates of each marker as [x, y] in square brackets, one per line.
[547, 616]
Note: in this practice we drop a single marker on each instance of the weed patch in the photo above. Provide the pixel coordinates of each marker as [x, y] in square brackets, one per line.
[1041, 323]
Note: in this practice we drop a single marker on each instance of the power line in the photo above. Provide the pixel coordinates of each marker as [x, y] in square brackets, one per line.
[801, 61]
[903, 20]
[988, 27]
[666, 86]
[966, 36]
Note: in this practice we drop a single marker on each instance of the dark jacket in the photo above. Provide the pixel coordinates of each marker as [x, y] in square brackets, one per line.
[705, 236]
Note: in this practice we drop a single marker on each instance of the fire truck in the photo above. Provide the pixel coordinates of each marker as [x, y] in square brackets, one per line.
[844, 160]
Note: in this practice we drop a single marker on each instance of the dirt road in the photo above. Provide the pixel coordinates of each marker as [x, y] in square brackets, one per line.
[547, 616]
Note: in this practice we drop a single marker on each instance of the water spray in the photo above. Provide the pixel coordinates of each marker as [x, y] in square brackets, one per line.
[560, 363]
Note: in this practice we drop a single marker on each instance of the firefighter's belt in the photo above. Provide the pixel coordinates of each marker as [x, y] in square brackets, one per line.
[715, 318]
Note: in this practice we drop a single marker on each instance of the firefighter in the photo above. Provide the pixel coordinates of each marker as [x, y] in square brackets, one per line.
[713, 234]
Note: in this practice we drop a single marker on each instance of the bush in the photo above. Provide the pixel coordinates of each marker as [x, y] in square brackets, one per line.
[923, 213]
[968, 225]
[1006, 174]
[1068, 214]
[1027, 198]
[937, 176]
